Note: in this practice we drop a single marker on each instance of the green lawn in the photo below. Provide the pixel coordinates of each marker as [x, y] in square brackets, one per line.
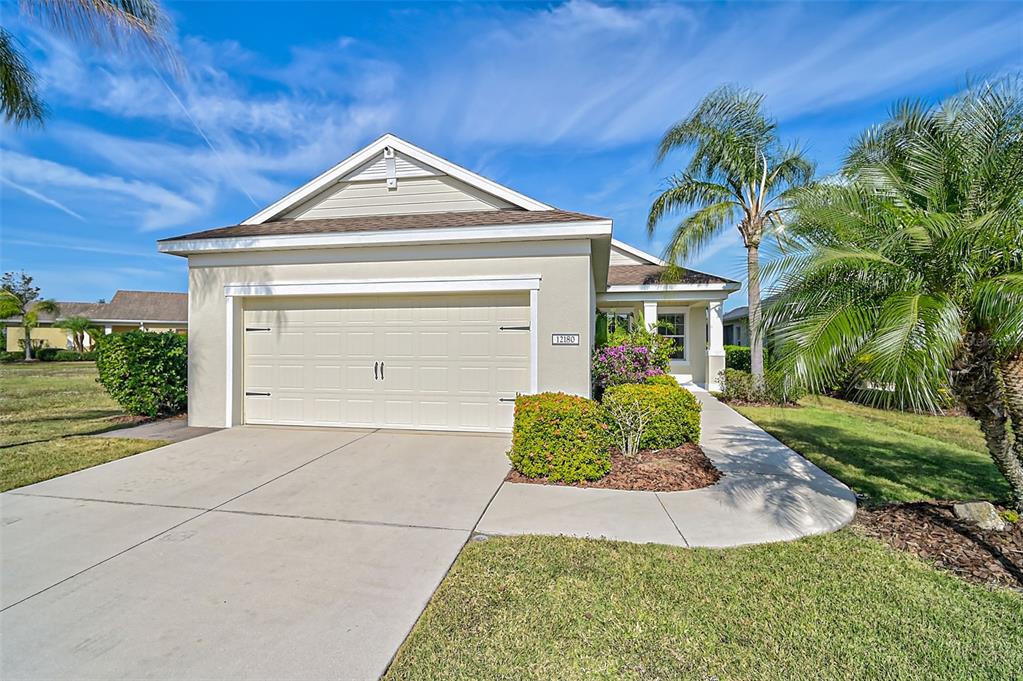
[829, 607]
[890, 456]
[45, 408]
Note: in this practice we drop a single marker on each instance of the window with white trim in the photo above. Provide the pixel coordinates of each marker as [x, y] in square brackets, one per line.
[619, 321]
[673, 326]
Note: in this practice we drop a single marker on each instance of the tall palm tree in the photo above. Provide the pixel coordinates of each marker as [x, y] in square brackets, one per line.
[117, 23]
[19, 298]
[739, 174]
[908, 272]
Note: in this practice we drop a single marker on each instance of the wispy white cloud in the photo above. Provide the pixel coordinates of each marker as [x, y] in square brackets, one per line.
[153, 206]
[39, 196]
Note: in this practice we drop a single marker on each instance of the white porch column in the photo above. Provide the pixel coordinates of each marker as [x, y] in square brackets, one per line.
[715, 345]
[650, 314]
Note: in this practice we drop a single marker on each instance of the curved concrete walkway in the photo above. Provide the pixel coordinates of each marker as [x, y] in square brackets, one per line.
[768, 493]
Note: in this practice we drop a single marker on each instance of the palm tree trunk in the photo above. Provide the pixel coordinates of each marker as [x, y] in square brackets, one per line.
[756, 340]
[28, 343]
[978, 385]
[1012, 377]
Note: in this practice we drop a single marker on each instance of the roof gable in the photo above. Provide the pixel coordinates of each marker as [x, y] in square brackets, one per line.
[378, 174]
[622, 254]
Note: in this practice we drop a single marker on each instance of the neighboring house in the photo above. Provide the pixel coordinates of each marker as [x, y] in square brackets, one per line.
[127, 310]
[737, 324]
[400, 290]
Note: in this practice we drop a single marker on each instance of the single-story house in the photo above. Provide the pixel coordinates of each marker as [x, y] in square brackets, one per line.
[736, 323]
[400, 290]
[127, 310]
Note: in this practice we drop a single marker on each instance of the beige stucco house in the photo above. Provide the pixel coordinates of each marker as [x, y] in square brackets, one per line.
[400, 290]
[126, 311]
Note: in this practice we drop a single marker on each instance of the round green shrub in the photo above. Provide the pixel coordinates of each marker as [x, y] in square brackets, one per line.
[11, 356]
[673, 413]
[46, 354]
[565, 438]
[663, 379]
[144, 371]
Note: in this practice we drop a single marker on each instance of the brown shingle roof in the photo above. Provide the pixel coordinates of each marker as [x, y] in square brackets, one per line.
[149, 306]
[640, 275]
[130, 306]
[377, 223]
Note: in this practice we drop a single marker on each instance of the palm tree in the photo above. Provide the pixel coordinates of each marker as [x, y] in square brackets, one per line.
[739, 174]
[907, 273]
[117, 23]
[19, 298]
[77, 327]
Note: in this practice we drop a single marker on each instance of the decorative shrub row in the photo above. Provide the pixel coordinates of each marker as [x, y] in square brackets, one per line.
[562, 437]
[49, 355]
[739, 357]
[145, 372]
[672, 413]
[774, 388]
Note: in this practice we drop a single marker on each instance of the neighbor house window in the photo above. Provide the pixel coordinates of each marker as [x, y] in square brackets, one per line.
[673, 326]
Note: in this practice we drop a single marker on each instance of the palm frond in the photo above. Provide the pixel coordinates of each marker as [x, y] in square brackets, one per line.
[19, 96]
[686, 192]
[695, 231]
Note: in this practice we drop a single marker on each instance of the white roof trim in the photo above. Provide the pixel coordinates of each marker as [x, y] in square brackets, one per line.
[402, 237]
[642, 288]
[360, 157]
[632, 250]
[417, 285]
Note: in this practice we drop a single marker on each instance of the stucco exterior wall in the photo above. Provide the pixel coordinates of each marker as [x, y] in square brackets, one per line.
[563, 302]
[52, 337]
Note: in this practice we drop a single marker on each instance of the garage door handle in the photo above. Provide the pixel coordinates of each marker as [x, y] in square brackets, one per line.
[513, 328]
[381, 371]
[376, 367]
[505, 399]
[251, 394]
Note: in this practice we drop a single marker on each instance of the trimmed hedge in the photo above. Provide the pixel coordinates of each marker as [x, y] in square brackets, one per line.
[12, 356]
[145, 372]
[561, 437]
[73, 356]
[45, 354]
[674, 413]
[740, 386]
[737, 357]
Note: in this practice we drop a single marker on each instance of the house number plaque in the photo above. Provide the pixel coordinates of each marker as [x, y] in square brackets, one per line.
[565, 339]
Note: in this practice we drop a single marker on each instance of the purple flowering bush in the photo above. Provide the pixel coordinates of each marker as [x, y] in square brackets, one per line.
[620, 364]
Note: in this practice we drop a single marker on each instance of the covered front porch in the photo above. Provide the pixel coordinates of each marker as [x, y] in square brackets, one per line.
[680, 303]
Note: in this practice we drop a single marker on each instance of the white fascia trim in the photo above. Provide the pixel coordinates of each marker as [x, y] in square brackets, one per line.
[372, 149]
[540, 231]
[135, 321]
[672, 287]
[370, 286]
[632, 250]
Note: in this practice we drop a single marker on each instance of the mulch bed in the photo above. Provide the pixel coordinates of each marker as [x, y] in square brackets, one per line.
[931, 531]
[663, 470]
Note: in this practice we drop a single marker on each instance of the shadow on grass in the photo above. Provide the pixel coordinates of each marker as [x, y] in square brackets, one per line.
[885, 467]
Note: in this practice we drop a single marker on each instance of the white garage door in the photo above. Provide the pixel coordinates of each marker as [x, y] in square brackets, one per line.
[431, 362]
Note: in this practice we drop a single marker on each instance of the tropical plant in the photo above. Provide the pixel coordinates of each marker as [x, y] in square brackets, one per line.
[739, 173]
[906, 273]
[20, 298]
[106, 23]
[78, 327]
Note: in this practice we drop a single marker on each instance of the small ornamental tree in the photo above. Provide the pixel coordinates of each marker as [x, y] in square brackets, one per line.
[20, 298]
[145, 372]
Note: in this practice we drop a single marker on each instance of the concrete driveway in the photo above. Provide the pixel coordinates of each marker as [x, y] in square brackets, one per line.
[269, 553]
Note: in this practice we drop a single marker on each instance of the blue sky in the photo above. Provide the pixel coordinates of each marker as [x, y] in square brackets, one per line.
[563, 102]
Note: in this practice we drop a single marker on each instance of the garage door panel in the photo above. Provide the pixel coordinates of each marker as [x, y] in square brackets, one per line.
[446, 363]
